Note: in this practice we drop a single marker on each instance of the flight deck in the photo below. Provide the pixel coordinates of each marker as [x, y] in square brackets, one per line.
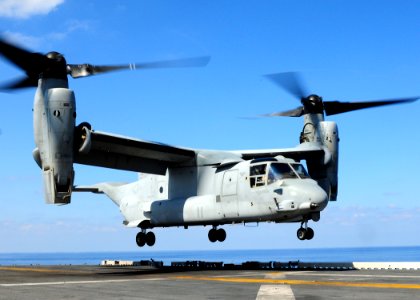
[190, 281]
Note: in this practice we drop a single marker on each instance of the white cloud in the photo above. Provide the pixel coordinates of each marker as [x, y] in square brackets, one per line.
[75, 25]
[32, 42]
[23, 9]
[70, 27]
[353, 215]
[26, 41]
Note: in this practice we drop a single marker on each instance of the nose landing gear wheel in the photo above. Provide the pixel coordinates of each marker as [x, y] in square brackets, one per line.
[301, 234]
[309, 233]
[305, 234]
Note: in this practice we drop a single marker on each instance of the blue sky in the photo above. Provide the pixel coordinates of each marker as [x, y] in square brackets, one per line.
[346, 50]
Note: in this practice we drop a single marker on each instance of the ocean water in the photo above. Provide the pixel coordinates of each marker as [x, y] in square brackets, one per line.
[392, 254]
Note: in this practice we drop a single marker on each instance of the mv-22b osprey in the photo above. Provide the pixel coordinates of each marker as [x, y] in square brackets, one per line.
[180, 186]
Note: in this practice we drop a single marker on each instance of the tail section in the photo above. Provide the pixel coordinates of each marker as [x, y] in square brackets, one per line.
[129, 197]
[116, 191]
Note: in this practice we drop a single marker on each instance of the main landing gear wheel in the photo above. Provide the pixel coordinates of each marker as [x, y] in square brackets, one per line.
[217, 235]
[143, 238]
[150, 239]
[221, 235]
[309, 233]
[305, 234]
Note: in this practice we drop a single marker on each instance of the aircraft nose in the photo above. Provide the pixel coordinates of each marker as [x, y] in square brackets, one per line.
[318, 198]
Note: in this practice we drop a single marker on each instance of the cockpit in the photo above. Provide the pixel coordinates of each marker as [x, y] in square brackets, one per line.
[268, 173]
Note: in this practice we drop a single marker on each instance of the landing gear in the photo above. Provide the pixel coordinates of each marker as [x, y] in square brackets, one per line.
[301, 234]
[143, 238]
[309, 233]
[150, 239]
[305, 232]
[217, 234]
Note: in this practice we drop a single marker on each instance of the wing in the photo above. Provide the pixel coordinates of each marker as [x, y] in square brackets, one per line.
[125, 153]
[305, 151]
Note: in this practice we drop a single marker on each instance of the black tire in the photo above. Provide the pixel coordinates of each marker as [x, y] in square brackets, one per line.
[150, 239]
[140, 239]
[213, 235]
[309, 233]
[221, 235]
[301, 234]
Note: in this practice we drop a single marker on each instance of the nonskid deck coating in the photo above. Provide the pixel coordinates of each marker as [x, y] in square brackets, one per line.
[95, 282]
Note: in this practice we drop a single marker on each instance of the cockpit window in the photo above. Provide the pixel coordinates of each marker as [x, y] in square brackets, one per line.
[280, 171]
[257, 175]
[300, 170]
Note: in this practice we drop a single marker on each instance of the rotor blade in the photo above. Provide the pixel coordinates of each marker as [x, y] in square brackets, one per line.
[297, 112]
[200, 61]
[30, 62]
[23, 82]
[83, 70]
[336, 107]
[290, 82]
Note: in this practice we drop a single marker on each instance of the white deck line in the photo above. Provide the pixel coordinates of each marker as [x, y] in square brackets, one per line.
[277, 291]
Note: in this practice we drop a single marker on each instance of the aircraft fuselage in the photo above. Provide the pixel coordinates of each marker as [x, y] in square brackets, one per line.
[245, 192]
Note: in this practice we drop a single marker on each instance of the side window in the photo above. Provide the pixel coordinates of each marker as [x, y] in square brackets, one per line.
[257, 175]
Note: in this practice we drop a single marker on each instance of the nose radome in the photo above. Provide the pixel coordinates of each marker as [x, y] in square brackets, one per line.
[313, 198]
[318, 197]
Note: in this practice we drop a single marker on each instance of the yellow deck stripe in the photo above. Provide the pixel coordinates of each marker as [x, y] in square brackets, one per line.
[305, 282]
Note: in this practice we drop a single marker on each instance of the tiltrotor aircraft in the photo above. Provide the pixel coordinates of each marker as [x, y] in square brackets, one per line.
[180, 186]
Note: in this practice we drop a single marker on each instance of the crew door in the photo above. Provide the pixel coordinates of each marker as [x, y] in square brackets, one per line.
[229, 194]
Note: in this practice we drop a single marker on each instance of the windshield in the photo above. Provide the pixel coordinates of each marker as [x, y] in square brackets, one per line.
[300, 169]
[279, 171]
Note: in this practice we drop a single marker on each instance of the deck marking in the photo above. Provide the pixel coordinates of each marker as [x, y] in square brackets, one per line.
[43, 270]
[242, 274]
[269, 291]
[76, 282]
[305, 282]
[315, 273]
[275, 291]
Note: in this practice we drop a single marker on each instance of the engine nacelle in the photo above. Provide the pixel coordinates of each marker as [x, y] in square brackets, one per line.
[54, 122]
[329, 133]
[325, 170]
